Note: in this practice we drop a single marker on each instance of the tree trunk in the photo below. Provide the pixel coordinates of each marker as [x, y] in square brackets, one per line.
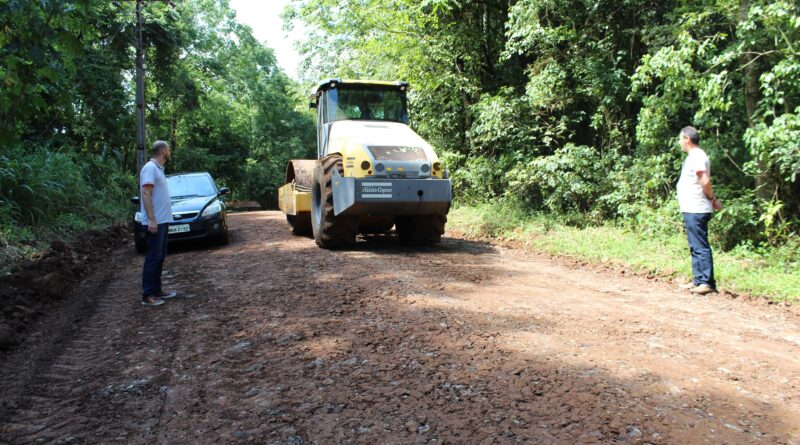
[765, 182]
[172, 126]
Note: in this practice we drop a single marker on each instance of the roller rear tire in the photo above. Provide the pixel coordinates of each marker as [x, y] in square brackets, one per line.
[420, 229]
[370, 225]
[300, 223]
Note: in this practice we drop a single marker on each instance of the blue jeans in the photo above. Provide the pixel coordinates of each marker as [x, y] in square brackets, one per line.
[702, 260]
[154, 261]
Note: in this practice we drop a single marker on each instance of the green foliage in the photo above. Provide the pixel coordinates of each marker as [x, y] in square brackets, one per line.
[658, 222]
[639, 184]
[262, 180]
[212, 91]
[45, 193]
[570, 180]
[575, 107]
[67, 122]
[497, 128]
[476, 179]
[225, 106]
[738, 221]
[777, 143]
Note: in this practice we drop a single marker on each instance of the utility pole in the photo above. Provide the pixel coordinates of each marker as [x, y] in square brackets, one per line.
[141, 132]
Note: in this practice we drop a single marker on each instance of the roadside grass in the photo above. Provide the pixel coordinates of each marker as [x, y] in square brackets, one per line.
[772, 273]
[49, 193]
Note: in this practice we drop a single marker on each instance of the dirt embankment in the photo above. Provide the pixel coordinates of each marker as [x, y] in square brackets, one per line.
[276, 341]
[35, 286]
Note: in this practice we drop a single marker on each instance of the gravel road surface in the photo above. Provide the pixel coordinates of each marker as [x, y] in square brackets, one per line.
[276, 341]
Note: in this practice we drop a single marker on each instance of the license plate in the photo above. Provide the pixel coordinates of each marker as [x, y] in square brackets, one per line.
[180, 228]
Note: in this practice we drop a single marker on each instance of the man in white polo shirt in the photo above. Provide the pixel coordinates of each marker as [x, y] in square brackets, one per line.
[156, 215]
[697, 202]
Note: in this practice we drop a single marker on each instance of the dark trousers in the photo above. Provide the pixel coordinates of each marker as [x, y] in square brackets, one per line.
[702, 260]
[154, 261]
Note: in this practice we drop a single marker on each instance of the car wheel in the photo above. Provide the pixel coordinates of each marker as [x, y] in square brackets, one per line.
[224, 239]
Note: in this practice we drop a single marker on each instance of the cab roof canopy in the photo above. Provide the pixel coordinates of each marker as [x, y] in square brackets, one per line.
[327, 84]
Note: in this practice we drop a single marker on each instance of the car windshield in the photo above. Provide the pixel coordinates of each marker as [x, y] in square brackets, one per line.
[381, 105]
[187, 186]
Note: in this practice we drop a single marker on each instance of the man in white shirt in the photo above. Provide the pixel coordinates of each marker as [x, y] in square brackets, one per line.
[697, 203]
[156, 215]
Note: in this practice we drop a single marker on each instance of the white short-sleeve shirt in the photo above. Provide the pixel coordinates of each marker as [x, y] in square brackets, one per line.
[153, 174]
[690, 193]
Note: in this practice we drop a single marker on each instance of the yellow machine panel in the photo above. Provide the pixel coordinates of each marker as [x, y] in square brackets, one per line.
[293, 201]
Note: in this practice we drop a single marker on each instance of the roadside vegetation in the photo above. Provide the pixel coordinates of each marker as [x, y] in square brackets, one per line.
[47, 194]
[67, 111]
[770, 272]
[562, 118]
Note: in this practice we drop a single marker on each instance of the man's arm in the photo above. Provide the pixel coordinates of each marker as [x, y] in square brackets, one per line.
[705, 181]
[147, 200]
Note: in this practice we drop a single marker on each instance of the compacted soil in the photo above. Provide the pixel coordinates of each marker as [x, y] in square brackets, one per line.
[274, 340]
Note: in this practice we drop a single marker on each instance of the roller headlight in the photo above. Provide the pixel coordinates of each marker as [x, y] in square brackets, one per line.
[212, 209]
[425, 168]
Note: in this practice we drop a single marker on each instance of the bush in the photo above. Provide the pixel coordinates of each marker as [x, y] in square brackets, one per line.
[43, 189]
[639, 184]
[476, 179]
[34, 187]
[658, 222]
[569, 181]
[737, 223]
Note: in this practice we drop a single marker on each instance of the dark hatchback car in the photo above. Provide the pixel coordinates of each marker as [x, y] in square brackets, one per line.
[197, 210]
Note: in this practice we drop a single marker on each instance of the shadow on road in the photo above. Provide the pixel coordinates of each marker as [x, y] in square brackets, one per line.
[284, 342]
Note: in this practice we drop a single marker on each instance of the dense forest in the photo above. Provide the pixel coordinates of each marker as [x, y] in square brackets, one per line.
[571, 108]
[67, 107]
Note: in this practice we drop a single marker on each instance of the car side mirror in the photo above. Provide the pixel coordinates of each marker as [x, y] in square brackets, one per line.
[224, 191]
[135, 200]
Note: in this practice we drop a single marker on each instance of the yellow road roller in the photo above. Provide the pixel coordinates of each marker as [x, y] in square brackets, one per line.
[372, 171]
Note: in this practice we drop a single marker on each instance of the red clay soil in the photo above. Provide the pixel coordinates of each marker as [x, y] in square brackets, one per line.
[36, 286]
[274, 340]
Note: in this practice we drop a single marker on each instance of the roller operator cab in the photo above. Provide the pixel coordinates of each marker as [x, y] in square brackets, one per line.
[373, 171]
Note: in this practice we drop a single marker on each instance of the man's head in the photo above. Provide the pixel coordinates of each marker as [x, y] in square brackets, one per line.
[161, 151]
[689, 138]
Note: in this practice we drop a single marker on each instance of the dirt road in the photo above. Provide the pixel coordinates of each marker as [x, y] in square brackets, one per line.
[277, 341]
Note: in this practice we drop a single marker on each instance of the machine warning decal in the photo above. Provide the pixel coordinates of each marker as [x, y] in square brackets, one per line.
[376, 190]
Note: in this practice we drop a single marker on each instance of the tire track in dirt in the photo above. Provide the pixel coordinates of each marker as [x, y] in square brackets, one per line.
[281, 342]
[77, 379]
[48, 399]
